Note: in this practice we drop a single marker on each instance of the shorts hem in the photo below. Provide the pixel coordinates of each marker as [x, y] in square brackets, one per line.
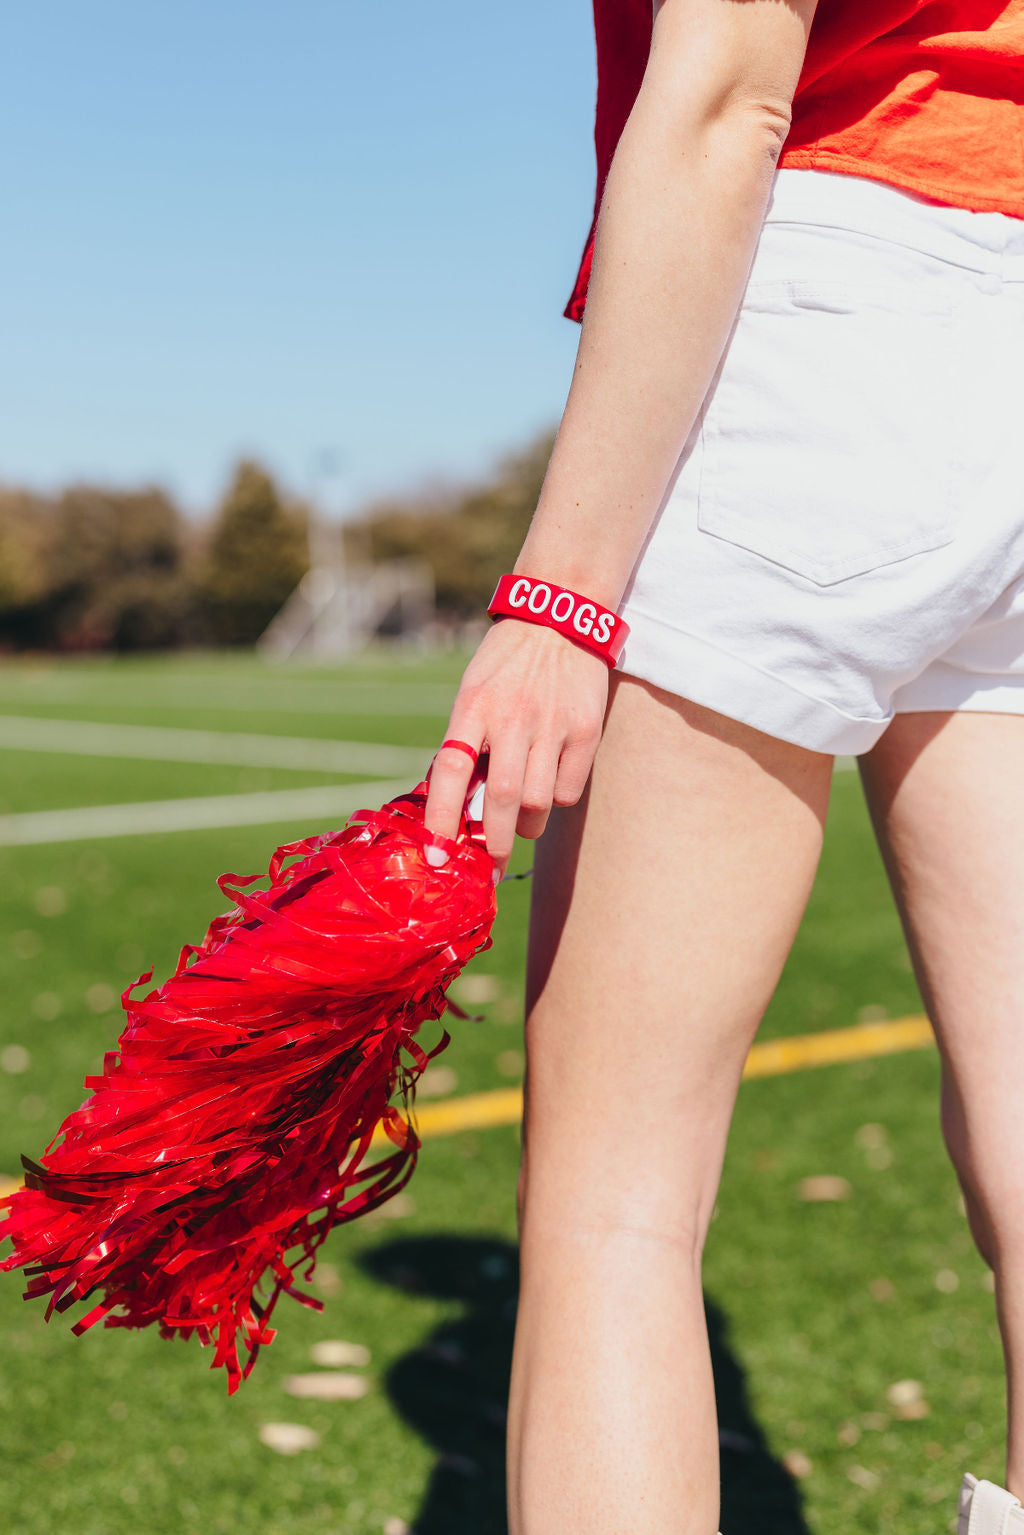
[944, 688]
[694, 668]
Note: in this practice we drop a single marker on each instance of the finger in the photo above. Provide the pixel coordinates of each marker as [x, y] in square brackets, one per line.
[502, 798]
[538, 788]
[574, 767]
[450, 773]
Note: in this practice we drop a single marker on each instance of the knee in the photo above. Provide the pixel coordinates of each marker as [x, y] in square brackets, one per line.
[521, 1195]
[993, 1197]
[615, 1220]
[981, 1226]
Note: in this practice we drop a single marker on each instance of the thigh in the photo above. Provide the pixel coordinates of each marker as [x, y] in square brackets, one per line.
[944, 791]
[664, 905]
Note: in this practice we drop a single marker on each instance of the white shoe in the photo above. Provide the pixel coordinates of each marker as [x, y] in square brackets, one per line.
[986, 1509]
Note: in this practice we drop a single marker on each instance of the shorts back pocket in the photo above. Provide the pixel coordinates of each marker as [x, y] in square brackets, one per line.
[828, 434]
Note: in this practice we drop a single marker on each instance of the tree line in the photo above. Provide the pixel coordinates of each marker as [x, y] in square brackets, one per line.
[94, 568]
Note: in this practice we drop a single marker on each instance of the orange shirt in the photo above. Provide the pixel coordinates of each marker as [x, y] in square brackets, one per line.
[923, 94]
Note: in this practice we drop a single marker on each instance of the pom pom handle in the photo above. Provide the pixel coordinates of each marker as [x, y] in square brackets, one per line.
[474, 808]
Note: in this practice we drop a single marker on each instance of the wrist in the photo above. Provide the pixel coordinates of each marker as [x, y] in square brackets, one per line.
[572, 575]
[582, 619]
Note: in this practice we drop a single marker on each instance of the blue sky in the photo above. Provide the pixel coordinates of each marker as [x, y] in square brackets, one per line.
[288, 229]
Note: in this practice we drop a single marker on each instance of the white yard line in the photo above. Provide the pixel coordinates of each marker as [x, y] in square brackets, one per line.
[268, 695]
[317, 809]
[164, 743]
[159, 743]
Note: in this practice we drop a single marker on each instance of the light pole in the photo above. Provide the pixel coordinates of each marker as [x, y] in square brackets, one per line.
[324, 585]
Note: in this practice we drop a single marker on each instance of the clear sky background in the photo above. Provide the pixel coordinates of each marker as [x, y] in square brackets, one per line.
[287, 228]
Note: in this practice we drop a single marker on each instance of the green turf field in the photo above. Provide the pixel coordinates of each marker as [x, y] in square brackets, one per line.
[818, 1309]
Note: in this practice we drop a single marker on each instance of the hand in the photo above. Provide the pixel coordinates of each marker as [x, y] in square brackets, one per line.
[536, 701]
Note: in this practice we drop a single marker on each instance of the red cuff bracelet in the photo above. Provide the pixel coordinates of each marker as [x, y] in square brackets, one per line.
[594, 627]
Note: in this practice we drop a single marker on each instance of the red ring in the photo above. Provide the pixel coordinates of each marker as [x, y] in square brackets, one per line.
[462, 746]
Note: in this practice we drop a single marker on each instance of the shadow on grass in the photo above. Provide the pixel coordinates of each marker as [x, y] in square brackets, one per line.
[453, 1388]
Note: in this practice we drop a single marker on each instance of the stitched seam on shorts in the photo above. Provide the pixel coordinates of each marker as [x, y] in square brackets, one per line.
[882, 555]
[782, 682]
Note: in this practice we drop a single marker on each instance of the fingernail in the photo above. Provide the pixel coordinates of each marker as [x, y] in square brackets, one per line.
[495, 876]
[436, 856]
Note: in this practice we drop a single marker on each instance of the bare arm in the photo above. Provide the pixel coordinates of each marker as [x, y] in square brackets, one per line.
[679, 222]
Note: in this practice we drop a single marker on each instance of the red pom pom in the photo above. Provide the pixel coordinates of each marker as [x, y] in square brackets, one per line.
[232, 1124]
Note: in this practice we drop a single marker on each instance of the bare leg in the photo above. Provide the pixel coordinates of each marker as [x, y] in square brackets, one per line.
[945, 794]
[664, 906]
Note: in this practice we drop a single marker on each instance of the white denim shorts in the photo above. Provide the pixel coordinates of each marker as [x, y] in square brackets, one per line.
[842, 538]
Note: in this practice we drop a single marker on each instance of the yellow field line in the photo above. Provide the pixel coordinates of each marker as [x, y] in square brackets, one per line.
[776, 1057]
[772, 1058]
[476, 1111]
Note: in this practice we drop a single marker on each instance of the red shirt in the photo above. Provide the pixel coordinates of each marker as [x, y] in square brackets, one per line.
[923, 94]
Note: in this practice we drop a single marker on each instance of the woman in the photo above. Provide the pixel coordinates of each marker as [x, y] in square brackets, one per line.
[789, 461]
